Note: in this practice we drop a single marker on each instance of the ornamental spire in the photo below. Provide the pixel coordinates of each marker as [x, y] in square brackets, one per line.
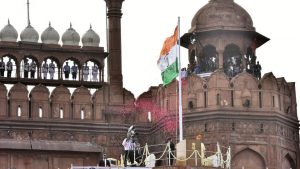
[28, 18]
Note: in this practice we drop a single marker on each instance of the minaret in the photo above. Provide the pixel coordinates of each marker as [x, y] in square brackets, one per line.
[115, 78]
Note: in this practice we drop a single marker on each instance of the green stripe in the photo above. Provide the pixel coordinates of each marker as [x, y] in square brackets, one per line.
[170, 73]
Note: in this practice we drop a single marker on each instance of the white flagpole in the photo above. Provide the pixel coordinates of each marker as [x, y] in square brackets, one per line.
[179, 86]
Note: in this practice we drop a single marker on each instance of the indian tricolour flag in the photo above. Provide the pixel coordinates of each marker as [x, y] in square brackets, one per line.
[168, 61]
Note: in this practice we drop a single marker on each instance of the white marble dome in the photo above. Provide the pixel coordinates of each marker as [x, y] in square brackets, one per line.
[9, 33]
[90, 38]
[50, 36]
[70, 37]
[29, 34]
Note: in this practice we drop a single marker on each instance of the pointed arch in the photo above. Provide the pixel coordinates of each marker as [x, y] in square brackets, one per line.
[245, 93]
[288, 162]
[82, 104]
[218, 79]
[60, 103]
[12, 56]
[269, 82]
[100, 98]
[194, 82]
[243, 80]
[93, 70]
[52, 66]
[29, 67]
[74, 69]
[18, 97]
[248, 158]
[55, 59]
[40, 107]
[13, 73]
[193, 90]
[75, 60]
[270, 89]
[209, 60]
[217, 92]
[232, 60]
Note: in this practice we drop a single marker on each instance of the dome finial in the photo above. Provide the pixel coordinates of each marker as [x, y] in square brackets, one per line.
[90, 26]
[8, 22]
[49, 23]
[28, 18]
[70, 24]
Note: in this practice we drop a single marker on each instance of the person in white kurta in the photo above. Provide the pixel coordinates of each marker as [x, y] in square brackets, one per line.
[129, 146]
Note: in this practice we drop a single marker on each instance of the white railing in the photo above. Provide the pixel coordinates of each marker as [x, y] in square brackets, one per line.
[148, 159]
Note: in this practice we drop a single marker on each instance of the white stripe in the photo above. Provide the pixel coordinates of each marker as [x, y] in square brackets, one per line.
[168, 59]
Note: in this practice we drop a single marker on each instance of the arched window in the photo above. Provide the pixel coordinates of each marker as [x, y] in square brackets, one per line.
[209, 60]
[149, 117]
[19, 113]
[50, 69]
[82, 114]
[29, 68]
[218, 99]
[40, 112]
[91, 71]
[61, 113]
[232, 61]
[71, 70]
[8, 67]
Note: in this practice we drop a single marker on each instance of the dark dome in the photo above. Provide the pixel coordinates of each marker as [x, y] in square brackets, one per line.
[222, 14]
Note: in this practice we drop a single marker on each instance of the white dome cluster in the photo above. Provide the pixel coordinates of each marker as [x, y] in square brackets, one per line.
[50, 36]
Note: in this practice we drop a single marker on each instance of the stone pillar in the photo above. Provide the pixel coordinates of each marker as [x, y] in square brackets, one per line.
[114, 61]
[220, 47]
[221, 58]
[18, 70]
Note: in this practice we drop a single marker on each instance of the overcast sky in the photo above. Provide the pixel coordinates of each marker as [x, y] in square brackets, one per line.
[146, 24]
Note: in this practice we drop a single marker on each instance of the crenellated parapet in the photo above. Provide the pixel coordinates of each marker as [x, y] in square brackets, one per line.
[243, 93]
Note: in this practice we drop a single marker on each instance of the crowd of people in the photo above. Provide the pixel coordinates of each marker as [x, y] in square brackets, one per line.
[30, 68]
[85, 71]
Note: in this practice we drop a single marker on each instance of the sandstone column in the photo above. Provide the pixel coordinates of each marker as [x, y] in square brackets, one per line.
[115, 78]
